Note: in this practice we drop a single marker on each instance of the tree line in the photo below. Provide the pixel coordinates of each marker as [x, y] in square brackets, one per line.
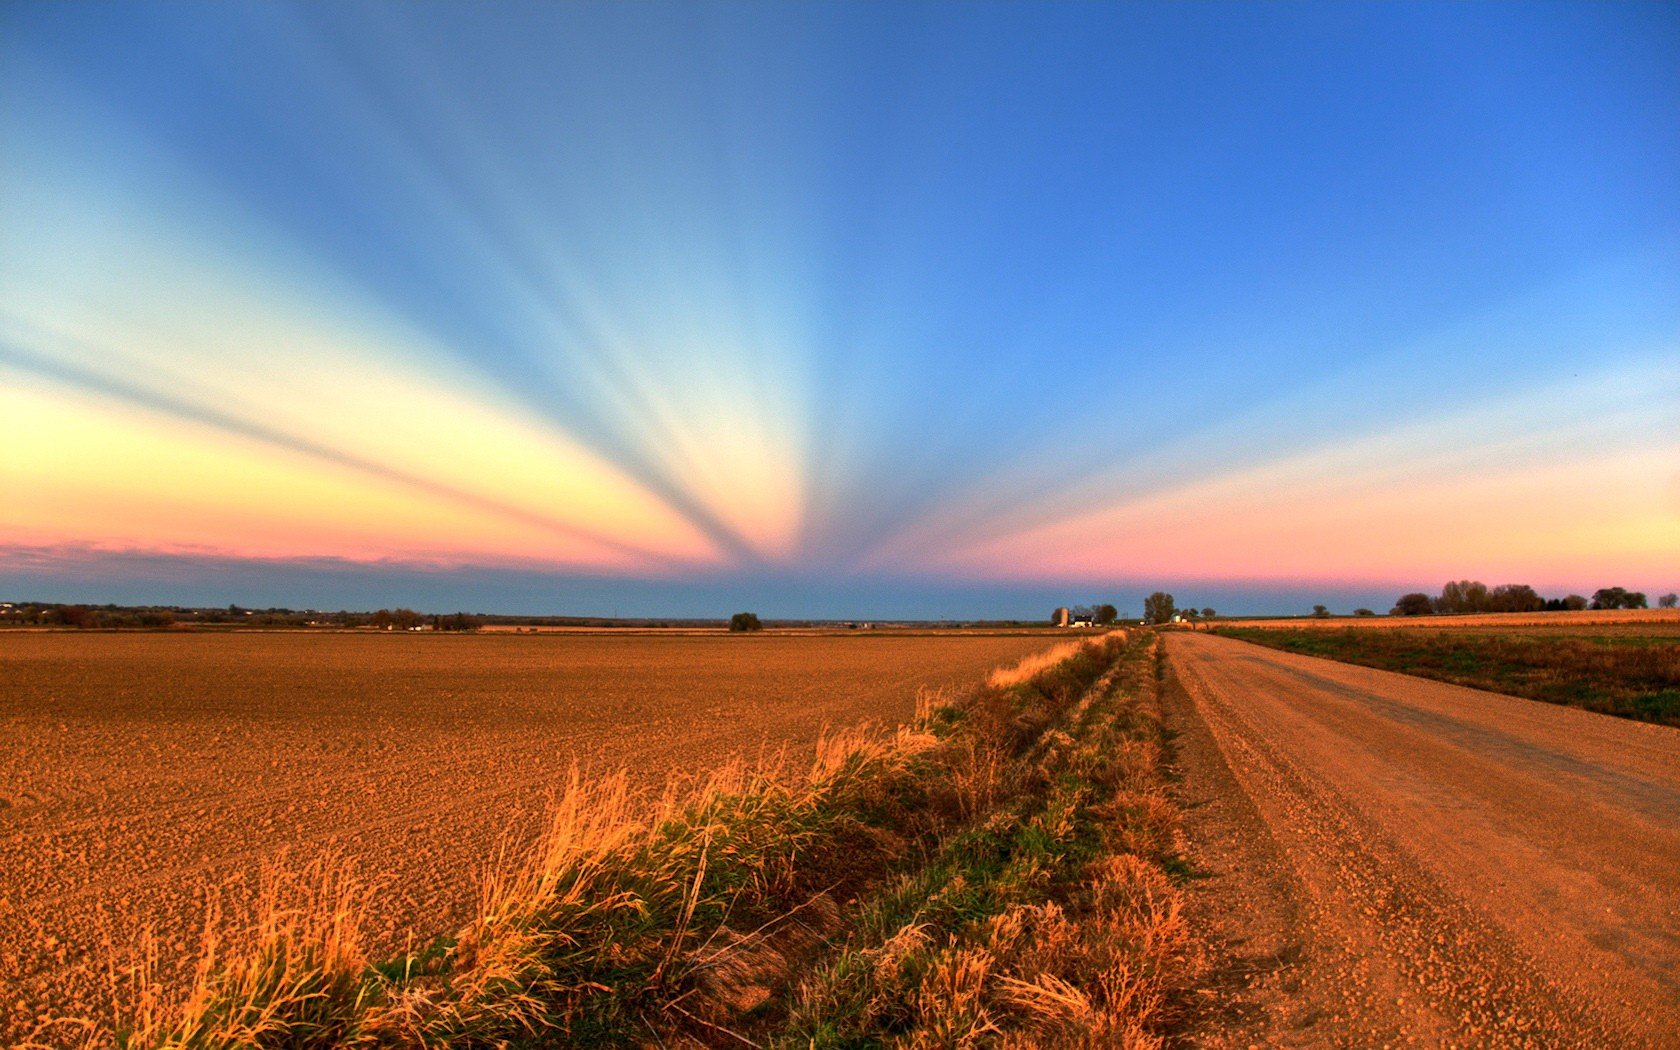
[1161, 608]
[409, 620]
[1457, 596]
[1474, 596]
[55, 614]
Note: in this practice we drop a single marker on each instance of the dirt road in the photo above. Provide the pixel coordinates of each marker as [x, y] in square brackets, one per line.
[1395, 861]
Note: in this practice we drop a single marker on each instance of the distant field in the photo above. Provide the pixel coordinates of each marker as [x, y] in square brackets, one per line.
[141, 771]
[1627, 666]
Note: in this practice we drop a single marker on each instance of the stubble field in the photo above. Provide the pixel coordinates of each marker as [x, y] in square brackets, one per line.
[1617, 662]
[147, 778]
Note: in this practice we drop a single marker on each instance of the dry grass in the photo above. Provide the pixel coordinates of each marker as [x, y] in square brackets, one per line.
[625, 924]
[1034, 664]
[306, 959]
[1051, 921]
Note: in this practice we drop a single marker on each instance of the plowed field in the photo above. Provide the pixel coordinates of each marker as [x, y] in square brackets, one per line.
[142, 774]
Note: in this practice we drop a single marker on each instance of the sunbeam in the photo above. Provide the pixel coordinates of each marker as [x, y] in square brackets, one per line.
[891, 301]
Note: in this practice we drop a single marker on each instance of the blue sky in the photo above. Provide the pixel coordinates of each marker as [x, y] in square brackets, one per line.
[857, 308]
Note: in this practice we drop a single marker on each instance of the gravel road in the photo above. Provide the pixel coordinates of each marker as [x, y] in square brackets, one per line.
[1393, 861]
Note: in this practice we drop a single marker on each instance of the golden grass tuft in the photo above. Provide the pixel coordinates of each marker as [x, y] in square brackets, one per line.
[1035, 664]
[299, 972]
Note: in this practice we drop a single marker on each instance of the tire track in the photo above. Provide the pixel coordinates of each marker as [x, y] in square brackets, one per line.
[1360, 778]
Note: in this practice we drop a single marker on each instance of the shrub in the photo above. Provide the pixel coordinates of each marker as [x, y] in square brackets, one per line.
[1415, 604]
[745, 621]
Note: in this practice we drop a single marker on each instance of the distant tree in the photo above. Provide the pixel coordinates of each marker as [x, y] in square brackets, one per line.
[1668, 601]
[1363, 612]
[1159, 608]
[1414, 604]
[1208, 614]
[1451, 599]
[1616, 598]
[1515, 597]
[1477, 597]
[1189, 615]
[1107, 614]
[745, 621]
[1320, 612]
[1463, 596]
[1575, 602]
[459, 622]
[77, 616]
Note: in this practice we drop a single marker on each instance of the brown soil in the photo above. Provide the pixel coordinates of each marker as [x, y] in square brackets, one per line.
[142, 774]
[1393, 861]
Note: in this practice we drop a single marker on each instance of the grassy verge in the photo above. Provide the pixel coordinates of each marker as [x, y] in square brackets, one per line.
[1053, 921]
[997, 871]
[1630, 677]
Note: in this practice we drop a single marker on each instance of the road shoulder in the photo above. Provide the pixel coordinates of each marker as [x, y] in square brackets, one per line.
[1243, 897]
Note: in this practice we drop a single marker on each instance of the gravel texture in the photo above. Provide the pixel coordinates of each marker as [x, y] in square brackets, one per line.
[1394, 861]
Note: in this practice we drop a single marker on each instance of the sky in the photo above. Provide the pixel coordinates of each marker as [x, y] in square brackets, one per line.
[831, 310]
